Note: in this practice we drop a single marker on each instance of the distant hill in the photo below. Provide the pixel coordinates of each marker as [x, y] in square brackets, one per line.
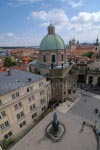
[14, 47]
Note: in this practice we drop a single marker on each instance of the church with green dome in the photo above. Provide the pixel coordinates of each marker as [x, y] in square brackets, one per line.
[52, 49]
[52, 41]
[52, 63]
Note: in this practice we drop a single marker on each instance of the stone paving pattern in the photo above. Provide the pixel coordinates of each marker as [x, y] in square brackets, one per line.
[72, 139]
[72, 118]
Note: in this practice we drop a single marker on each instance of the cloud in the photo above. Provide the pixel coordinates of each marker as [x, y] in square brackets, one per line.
[25, 2]
[75, 4]
[84, 26]
[18, 3]
[56, 16]
[85, 17]
[10, 34]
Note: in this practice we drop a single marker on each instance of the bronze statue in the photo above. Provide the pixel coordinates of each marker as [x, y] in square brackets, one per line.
[55, 123]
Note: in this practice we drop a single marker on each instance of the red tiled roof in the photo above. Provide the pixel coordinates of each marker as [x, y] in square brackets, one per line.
[24, 67]
[82, 51]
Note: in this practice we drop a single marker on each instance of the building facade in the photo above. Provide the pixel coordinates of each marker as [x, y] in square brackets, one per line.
[52, 64]
[23, 98]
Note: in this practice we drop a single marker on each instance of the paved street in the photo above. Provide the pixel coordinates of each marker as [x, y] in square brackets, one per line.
[85, 107]
[73, 139]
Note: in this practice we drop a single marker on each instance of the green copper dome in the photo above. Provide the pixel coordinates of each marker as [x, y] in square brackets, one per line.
[52, 41]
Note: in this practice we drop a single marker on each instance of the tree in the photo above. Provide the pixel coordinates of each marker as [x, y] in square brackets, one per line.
[8, 61]
[88, 54]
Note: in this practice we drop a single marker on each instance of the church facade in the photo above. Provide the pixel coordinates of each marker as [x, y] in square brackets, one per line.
[52, 64]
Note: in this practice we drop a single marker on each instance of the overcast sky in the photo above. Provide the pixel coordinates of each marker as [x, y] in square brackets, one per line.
[25, 22]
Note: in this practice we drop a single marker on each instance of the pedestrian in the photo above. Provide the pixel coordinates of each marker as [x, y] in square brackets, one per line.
[83, 122]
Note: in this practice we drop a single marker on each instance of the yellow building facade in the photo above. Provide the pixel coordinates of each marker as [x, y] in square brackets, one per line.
[19, 108]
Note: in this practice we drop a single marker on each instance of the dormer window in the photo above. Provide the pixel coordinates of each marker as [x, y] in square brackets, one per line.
[17, 81]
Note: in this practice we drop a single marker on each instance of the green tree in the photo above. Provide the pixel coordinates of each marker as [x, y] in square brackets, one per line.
[8, 61]
[88, 54]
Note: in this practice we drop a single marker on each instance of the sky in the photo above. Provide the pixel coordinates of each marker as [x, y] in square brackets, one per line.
[25, 22]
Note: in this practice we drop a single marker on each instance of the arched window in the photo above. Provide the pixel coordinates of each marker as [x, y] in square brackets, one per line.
[98, 82]
[96, 48]
[81, 78]
[53, 58]
[62, 56]
[90, 80]
[44, 58]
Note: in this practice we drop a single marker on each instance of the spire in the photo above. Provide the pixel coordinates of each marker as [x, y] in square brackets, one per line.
[51, 29]
[97, 41]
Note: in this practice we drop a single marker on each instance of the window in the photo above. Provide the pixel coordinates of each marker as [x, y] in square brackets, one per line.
[42, 92]
[22, 124]
[4, 125]
[43, 108]
[31, 98]
[44, 58]
[10, 133]
[69, 91]
[15, 95]
[34, 115]
[3, 113]
[0, 103]
[20, 104]
[32, 107]
[42, 100]
[6, 136]
[40, 83]
[29, 89]
[70, 72]
[20, 115]
[62, 57]
[17, 106]
[53, 58]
